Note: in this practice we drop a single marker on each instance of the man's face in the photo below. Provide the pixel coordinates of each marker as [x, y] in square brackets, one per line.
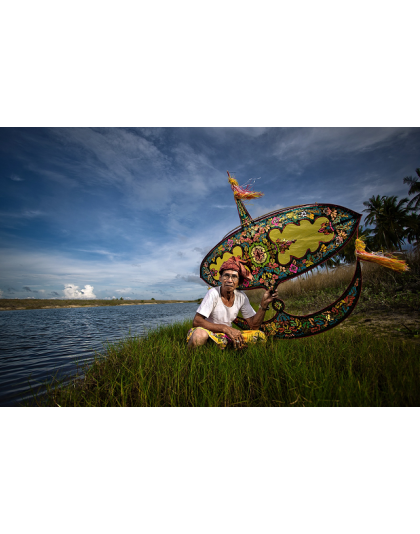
[230, 279]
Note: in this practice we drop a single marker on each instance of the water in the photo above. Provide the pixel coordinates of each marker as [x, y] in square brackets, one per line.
[36, 345]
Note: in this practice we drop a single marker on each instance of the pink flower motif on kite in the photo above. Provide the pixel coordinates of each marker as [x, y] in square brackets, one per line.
[284, 245]
[326, 228]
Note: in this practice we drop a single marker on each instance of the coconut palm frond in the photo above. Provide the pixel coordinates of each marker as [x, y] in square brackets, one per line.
[414, 184]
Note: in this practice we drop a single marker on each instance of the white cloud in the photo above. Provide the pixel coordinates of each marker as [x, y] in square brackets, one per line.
[263, 209]
[191, 278]
[110, 255]
[16, 178]
[25, 214]
[126, 290]
[73, 292]
[1, 293]
[302, 146]
[58, 177]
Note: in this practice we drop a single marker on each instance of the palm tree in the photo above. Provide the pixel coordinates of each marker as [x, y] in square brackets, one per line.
[413, 229]
[374, 206]
[414, 188]
[389, 216]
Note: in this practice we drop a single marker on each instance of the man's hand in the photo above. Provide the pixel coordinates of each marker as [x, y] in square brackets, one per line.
[267, 298]
[235, 336]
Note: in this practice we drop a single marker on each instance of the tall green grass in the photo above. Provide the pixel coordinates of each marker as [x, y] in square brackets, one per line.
[337, 368]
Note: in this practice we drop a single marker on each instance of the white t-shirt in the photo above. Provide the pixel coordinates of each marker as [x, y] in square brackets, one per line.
[216, 312]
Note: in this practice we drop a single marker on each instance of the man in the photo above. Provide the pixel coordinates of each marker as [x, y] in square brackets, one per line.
[221, 306]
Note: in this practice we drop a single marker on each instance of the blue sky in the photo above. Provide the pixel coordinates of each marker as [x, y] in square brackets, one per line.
[131, 212]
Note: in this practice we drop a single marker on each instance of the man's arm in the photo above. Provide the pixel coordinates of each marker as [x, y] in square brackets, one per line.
[256, 320]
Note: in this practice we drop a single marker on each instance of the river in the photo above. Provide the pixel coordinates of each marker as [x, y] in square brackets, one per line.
[37, 345]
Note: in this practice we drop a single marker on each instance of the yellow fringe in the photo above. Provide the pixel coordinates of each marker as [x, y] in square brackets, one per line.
[240, 193]
[249, 195]
[388, 261]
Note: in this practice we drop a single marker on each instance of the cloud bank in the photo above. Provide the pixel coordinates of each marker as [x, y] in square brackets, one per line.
[73, 292]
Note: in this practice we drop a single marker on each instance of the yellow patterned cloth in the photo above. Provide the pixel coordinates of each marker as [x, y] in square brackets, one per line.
[250, 336]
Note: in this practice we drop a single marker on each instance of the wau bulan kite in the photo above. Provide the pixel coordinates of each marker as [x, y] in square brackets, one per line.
[287, 243]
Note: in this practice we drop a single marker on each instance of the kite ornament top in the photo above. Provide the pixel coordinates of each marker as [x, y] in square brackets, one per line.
[242, 192]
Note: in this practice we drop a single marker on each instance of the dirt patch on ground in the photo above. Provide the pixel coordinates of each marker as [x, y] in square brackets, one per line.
[396, 323]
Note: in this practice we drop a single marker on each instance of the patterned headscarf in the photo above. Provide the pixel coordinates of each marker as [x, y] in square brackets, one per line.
[236, 264]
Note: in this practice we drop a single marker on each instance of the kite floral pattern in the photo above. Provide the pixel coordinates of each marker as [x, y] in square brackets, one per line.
[263, 254]
[326, 228]
[259, 254]
[284, 245]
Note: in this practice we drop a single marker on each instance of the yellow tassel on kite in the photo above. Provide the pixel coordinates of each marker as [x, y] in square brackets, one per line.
[242, 193]
[377, 257]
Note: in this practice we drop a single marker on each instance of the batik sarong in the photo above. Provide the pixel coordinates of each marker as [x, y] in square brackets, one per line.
[223, 340]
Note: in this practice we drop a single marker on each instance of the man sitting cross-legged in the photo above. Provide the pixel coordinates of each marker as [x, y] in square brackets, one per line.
[221, 306]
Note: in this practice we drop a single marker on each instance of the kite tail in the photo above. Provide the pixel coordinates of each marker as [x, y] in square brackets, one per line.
[378, 257]
[241, 192]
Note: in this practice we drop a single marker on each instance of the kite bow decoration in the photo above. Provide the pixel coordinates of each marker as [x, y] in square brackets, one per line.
[284, 244]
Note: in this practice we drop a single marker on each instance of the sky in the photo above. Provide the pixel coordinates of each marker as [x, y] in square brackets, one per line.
[131, 212]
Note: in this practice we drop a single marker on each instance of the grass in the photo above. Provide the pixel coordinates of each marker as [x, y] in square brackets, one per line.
[350, 365]
[339, 368]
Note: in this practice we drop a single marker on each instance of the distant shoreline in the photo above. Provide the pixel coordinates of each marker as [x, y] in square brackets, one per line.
[40, 304]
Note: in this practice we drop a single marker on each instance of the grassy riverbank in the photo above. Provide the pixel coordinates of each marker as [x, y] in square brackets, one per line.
[38, 304]
[371, 359]
[343, 367]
